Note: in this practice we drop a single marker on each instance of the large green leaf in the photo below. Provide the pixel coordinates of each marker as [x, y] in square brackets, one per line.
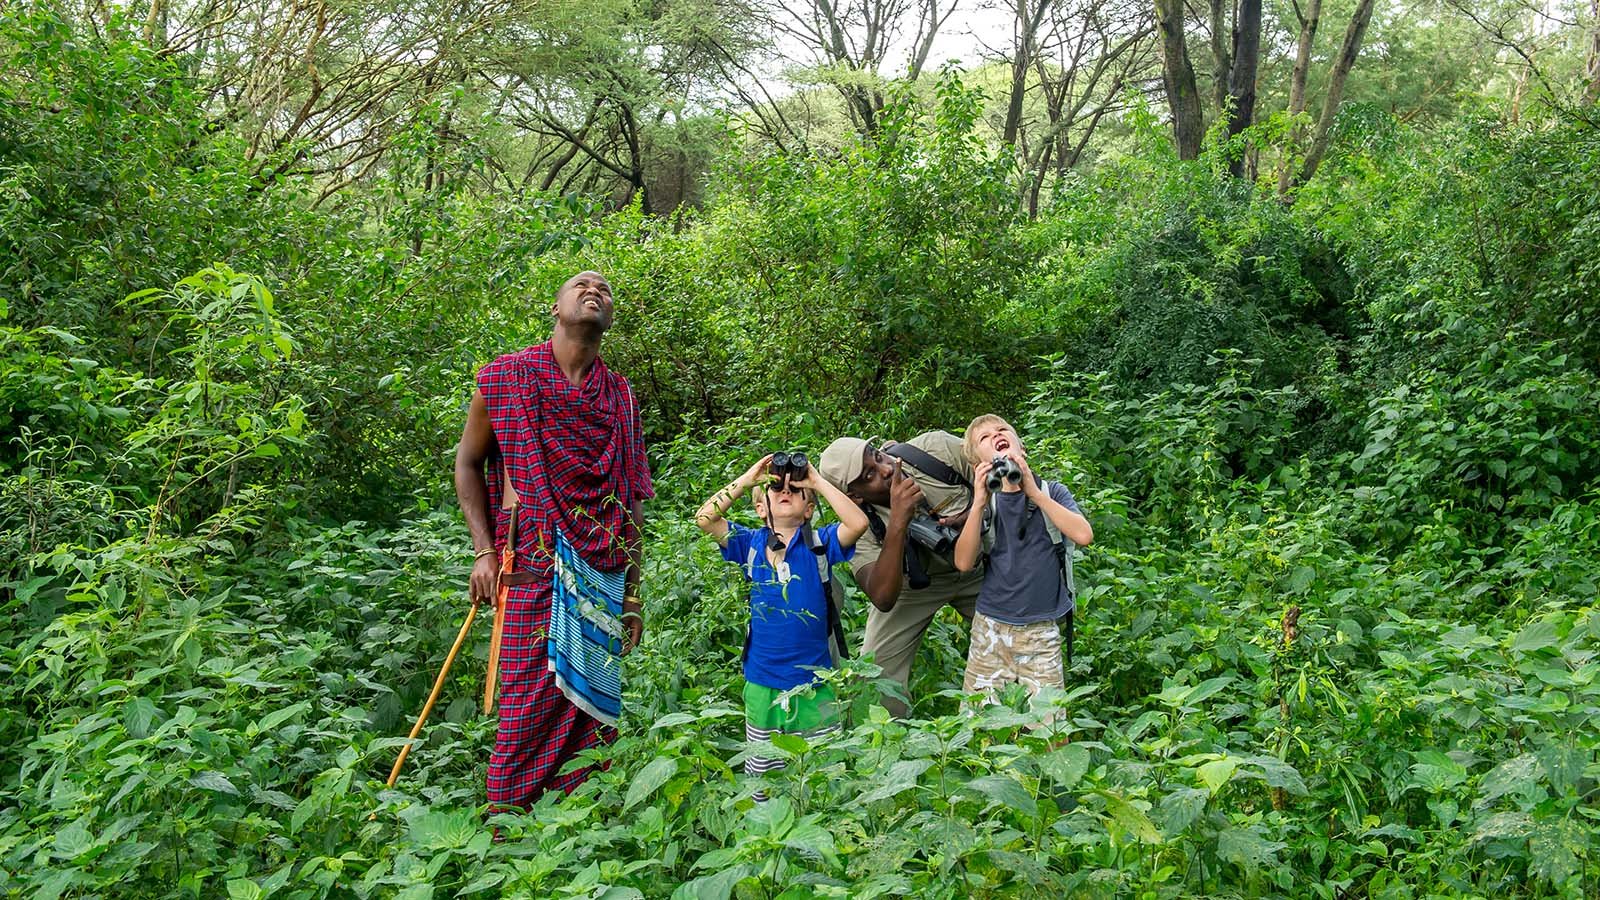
[1182, 808]
[1517, 775]
[1247, 849]
[73, 841]
[652, 776]
[445, 829]
[716, 886]
[1504, 826]
[1276, 773]
[1564, 764]
[810, 836]
[1217, 772]
[278, 717]
[1065, 766]
[1435, 772]
[214, 781]
[1004, 790]
[1537, 635]
[673, 720]
[773, 818]
[1130, 819]
[1555, 848]
[901, 777]
[791, 743]
[139, 715]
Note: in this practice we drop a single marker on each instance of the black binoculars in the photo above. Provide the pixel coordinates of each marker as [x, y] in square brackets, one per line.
[787, 468]
[927, 531]
[1001, 471]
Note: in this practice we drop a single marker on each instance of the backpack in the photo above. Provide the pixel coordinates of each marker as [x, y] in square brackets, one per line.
[832, 592]
[927, 464]
[1058, 543]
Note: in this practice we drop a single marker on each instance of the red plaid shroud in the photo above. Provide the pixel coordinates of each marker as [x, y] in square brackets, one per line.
[576, 458]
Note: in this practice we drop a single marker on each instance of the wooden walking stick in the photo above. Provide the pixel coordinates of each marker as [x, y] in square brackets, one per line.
[508, 560]
[438, 685]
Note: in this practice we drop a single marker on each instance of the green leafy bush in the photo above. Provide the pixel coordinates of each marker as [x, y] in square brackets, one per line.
[1337, 634]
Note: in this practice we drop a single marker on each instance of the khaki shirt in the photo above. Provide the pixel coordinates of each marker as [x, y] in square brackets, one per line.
[943, 500]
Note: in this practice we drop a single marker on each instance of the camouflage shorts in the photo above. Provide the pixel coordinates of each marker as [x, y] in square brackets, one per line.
[1003, 654]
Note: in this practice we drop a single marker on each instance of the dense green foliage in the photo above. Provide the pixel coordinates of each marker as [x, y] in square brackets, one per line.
[1339, 633]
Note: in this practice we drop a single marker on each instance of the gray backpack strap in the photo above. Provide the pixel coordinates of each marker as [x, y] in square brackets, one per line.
[1065, 549]
[833, 593]
[749, 630]
[1049, 524]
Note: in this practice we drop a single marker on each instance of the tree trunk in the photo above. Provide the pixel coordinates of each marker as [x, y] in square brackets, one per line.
[636, 173]
[1242, 79]
[1019, 85]
[1177, 74]
[1038, 179]
[856, 97]
[1341, 72]
[932, 21]
[865, 112]
[1028, 20]
[1519, 89]
[155, 26]
[1592, 63]
[1297, 88]
[1221, 63]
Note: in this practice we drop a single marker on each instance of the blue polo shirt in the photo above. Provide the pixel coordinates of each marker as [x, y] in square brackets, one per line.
[788, 619]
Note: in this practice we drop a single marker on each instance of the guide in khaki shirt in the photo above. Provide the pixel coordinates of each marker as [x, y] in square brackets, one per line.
[900, 614]
[942, 501]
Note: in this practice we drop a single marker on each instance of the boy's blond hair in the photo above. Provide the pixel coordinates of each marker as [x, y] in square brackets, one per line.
[969, 438]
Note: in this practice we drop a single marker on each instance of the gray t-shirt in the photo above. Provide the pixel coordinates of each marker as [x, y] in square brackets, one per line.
[1022, 584]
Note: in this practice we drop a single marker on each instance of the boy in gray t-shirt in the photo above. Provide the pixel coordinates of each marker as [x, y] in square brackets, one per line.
[1014, 633]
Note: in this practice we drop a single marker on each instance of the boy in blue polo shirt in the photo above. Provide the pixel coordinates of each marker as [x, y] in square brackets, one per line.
[789, 624]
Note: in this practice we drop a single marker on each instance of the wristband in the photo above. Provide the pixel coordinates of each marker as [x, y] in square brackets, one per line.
[482, 553]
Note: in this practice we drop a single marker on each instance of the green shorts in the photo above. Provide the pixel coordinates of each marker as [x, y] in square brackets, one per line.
[811, 713]
[800, 713]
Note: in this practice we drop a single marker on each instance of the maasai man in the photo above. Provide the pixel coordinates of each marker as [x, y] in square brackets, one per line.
[553, 437]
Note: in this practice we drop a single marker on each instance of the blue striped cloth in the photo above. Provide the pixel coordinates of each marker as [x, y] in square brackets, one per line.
[586, 634]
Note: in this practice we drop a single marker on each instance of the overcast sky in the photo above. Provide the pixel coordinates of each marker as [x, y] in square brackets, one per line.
[974, 24]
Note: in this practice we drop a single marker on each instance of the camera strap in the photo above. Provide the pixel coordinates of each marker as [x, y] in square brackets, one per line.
[911, 563]
[875, 522]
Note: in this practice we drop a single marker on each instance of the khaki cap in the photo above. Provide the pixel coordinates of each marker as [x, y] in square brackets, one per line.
[843, 461]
